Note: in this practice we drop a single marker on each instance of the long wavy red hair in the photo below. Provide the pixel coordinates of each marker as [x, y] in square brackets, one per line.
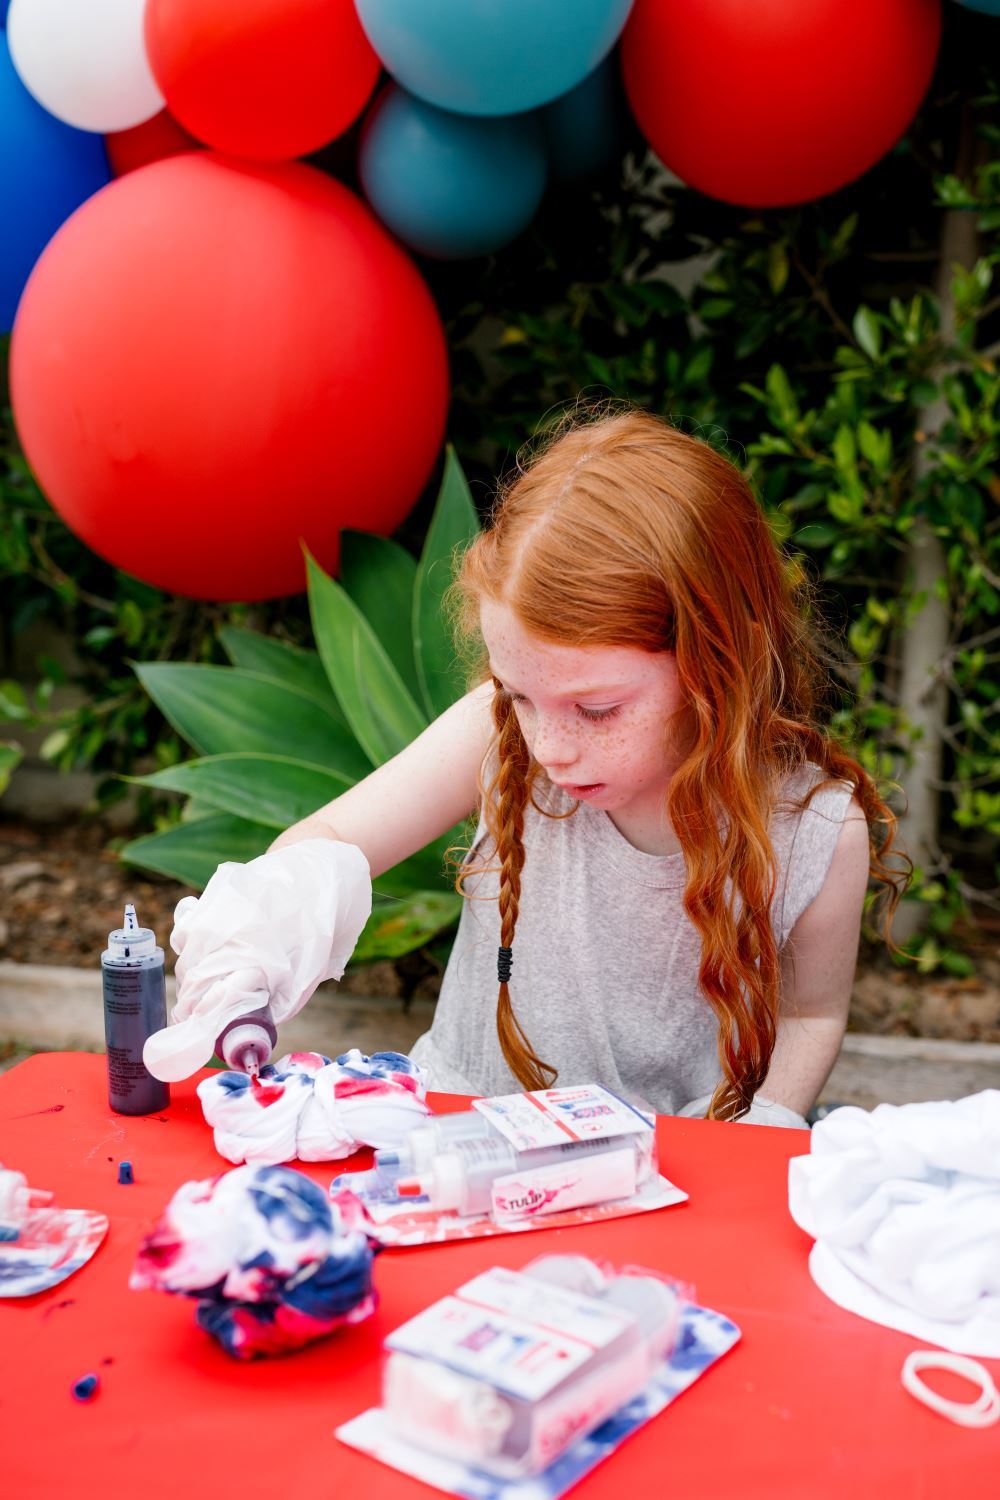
[621, 530]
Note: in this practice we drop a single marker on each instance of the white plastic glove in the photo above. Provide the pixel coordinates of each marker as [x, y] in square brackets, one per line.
[761, 1112]
[264, 933]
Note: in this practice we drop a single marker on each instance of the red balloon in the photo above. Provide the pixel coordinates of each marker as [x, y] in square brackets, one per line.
[771, 102]
[213, 361]
[268, 79]
[151, 141]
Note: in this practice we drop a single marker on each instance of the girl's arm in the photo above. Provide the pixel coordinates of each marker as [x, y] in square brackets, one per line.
[416, 796]
[818, 964]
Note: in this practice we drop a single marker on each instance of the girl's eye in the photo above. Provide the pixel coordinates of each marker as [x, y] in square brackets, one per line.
[595, 715]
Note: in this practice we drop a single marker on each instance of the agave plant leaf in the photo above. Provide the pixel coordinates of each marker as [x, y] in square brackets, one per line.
[379, 576]
[271, 789]
[283, 663]
[378, 706]
[453, 526]
[217, 709]
[394, 930]
[191, 851]
[10, 755]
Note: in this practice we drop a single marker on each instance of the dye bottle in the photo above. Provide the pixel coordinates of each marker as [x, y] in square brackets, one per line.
[135, 1005]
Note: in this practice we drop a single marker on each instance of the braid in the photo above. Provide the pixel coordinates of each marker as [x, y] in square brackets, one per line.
[512, 788]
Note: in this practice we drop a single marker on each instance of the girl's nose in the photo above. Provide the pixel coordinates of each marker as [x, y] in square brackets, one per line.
[554, 746]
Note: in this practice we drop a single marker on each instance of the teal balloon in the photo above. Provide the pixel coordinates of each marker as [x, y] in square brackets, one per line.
[492, 57]
[987, 7]
[47, 169]
[448, 185]
[585, 129]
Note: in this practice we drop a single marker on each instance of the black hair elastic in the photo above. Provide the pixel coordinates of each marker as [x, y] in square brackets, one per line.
[504, 960]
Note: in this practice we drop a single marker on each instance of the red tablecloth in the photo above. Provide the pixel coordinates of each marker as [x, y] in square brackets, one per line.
[807, 1406]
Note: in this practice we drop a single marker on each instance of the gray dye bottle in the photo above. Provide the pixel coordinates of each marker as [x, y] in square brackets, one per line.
[135, 1005]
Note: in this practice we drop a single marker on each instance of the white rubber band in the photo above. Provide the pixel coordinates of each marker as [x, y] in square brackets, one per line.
[982, 1412]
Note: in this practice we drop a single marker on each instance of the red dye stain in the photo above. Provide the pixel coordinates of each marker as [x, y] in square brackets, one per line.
[160, 1248]
[266, 1093]
[347, 1088]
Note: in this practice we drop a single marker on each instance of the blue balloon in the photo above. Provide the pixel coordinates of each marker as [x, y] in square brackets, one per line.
[47, 169]
[585, 129]
[450, 186]
[4, 6]
[492, 57]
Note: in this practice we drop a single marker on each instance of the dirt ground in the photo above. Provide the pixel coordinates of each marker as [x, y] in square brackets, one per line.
[62, 890]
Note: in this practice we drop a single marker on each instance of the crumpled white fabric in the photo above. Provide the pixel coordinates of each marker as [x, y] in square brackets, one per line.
[904, 1205]
[307, 1107]
[264, 933]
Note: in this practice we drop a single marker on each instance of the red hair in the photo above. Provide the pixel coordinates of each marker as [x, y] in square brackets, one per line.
[623, 531]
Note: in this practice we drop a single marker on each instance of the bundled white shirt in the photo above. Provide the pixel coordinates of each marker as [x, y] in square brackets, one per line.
[904, 1205]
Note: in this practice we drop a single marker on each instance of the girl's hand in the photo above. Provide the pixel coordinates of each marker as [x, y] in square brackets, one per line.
[264, 933]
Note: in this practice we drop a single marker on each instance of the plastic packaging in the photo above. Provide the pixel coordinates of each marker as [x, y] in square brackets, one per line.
[530, 1154]
[517, 1365]
[135, 1006]
[417, 1152]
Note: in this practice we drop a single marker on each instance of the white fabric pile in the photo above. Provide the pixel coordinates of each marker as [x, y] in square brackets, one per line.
[904, 1205]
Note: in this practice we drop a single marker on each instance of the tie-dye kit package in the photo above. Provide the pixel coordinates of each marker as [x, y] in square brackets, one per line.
[547, 1159]
[521, 1381]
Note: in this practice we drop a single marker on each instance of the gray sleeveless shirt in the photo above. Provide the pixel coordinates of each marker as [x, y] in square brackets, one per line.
[605, 967]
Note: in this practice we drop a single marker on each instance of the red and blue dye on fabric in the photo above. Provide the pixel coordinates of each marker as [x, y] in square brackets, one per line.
[273, 1263]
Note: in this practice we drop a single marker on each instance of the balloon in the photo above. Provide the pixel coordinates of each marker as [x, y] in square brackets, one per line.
[778, 101]
[492, 57]
[268, 79]
[151, 141]
[214, 360]
[450, 186]
[84, 62]
[585, 129]
[47, 170]
[987, 7]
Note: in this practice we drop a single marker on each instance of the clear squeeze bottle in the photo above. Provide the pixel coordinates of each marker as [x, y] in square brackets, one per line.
[246, 1044]
[135, 1005]
[415, 1155]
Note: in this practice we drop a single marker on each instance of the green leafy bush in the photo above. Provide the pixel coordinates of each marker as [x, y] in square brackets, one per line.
[283, 730]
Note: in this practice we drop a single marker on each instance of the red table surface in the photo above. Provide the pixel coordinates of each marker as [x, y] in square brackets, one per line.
[808, 1405]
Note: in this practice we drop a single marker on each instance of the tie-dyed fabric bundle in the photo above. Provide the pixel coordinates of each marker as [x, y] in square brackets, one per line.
[274, 1264]
[307, 1107]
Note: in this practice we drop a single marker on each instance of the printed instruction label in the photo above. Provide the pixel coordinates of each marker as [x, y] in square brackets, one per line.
[520, 1335]
[551, 1117]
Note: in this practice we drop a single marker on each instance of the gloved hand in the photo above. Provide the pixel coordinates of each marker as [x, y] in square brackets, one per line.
[264, 933]
[761, 1112]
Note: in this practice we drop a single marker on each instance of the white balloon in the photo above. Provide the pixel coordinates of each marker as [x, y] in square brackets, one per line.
[85, 60]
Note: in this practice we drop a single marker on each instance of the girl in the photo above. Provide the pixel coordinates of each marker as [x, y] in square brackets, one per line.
[669, 871]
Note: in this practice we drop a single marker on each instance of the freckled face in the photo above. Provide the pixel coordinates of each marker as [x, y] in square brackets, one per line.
[618, 737]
